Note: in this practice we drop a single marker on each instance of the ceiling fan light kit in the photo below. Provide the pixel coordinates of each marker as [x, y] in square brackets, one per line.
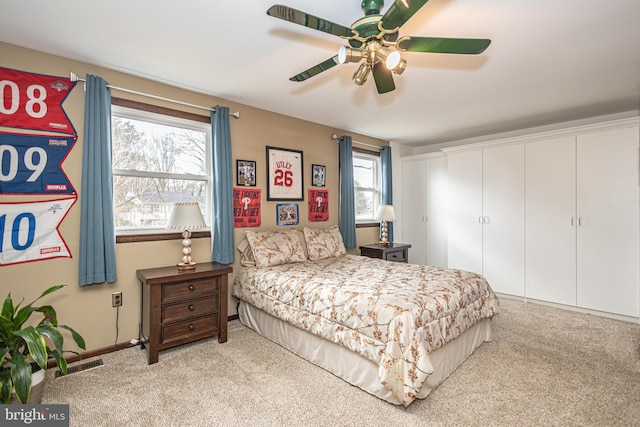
[374, 38]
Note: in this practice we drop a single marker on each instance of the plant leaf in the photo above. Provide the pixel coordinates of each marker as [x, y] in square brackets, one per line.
[53, 334]
[76, 336]
[7, 307]
[36, 344]
[7, 385]
[21, 376]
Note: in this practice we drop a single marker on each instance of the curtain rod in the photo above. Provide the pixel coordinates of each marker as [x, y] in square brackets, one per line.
[336, 137]
[74, 78]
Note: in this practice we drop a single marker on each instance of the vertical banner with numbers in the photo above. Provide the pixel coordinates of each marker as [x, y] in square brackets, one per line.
[29, 231]
[246, 207]
[34, 101]
[32, 164]
[318, 205]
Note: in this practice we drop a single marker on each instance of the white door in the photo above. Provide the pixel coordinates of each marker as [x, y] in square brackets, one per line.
[464, 171]
[503, 218]
[550, 231]
[608, 211]
[413, 209]
[436, 216]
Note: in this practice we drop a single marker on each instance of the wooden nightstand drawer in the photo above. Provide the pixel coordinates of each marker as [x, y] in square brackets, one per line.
[371, 253]
[189, 328]
[182, 306]
[190, 289]
[397, 256]
[189, 309]
[396, 252]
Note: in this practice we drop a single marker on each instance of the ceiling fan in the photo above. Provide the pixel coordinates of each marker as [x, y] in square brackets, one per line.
[375, 39]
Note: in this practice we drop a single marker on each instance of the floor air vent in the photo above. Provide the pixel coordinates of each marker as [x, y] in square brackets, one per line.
[80, 368]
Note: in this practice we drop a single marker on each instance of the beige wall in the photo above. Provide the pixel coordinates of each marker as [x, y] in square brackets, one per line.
[88, 309]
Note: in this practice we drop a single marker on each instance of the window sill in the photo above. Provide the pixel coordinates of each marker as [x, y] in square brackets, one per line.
[367, 224]
[154, 237]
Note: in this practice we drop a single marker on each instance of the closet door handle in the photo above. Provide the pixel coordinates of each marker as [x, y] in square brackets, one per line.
[485, 220]
[480, 220]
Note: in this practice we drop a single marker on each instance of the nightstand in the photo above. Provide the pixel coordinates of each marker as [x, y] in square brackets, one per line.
[179, 307]
[398, 252]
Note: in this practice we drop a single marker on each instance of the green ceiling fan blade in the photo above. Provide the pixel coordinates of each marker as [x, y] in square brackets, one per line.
[302, 18]
[316, 69]
[398, 13]
[444, 45]
[383, 78]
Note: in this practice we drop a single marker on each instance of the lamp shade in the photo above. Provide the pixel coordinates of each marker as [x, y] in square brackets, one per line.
[385, 213]
[186, 216]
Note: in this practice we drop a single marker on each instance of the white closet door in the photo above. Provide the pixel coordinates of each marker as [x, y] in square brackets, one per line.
[550, 231]
[436, 217]
[413, 209]
[608, 233]
[503, 214]
[464, 171]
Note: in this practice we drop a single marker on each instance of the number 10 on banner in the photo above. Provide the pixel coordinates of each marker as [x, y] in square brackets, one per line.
[29, 231]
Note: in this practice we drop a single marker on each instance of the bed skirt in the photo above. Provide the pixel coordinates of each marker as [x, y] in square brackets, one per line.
[351, 367]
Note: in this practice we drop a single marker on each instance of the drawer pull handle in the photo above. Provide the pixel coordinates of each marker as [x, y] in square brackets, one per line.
[191, 307]
[192, 288]
[192, 328]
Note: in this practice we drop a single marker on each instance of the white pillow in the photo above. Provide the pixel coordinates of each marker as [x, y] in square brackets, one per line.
[271, 248]
[324, 243]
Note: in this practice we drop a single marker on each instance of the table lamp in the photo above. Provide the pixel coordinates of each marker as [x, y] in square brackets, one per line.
[186, 217]
[384, 213]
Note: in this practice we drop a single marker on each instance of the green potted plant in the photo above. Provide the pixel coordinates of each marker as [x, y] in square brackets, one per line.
[24, 349]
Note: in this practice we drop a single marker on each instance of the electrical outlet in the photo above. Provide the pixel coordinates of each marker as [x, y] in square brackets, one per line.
[116, 299]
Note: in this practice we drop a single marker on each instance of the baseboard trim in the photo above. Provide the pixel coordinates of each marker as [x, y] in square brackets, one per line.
[51, 363]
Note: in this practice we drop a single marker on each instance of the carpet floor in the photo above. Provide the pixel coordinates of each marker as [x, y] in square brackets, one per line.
[545, 367]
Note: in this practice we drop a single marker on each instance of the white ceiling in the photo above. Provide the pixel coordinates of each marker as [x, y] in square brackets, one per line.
[550, 61]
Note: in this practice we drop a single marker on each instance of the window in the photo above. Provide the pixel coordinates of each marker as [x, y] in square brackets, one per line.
[366, 178]
[158, 160]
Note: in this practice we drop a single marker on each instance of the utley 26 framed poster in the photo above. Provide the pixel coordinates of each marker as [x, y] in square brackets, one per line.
[284, 174]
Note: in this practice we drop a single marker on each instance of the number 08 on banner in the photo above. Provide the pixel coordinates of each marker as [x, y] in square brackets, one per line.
[34, 101]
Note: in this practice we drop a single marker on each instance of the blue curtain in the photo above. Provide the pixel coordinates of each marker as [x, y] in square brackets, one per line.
[386, 192]
[97, 255]
[347, 218]
[222, 227]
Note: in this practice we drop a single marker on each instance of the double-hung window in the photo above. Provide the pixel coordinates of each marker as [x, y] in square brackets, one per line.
[158, 160]
[366, 178]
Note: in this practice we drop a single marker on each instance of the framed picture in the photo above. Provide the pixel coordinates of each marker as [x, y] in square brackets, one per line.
[246, 173]
[318, 173]
[284, 174]
[287, 214]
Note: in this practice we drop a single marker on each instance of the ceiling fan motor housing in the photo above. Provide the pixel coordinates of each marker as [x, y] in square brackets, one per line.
[372, 7]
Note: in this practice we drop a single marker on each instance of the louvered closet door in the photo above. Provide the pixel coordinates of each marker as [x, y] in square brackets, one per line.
[608, 232]
[503, 215]
[550, 232]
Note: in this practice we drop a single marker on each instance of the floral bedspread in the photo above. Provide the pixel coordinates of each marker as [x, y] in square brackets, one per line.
[394, 314]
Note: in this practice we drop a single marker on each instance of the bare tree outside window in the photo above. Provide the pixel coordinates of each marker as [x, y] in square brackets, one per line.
[157, 161]
[366, 179]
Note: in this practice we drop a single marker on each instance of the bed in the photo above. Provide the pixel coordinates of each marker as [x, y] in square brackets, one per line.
[395, 330]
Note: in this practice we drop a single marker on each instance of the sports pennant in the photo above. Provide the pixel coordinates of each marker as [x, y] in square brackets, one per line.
[318, 205]
[34, 101]
[246, 207]
[32, 164]
[29, 231]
